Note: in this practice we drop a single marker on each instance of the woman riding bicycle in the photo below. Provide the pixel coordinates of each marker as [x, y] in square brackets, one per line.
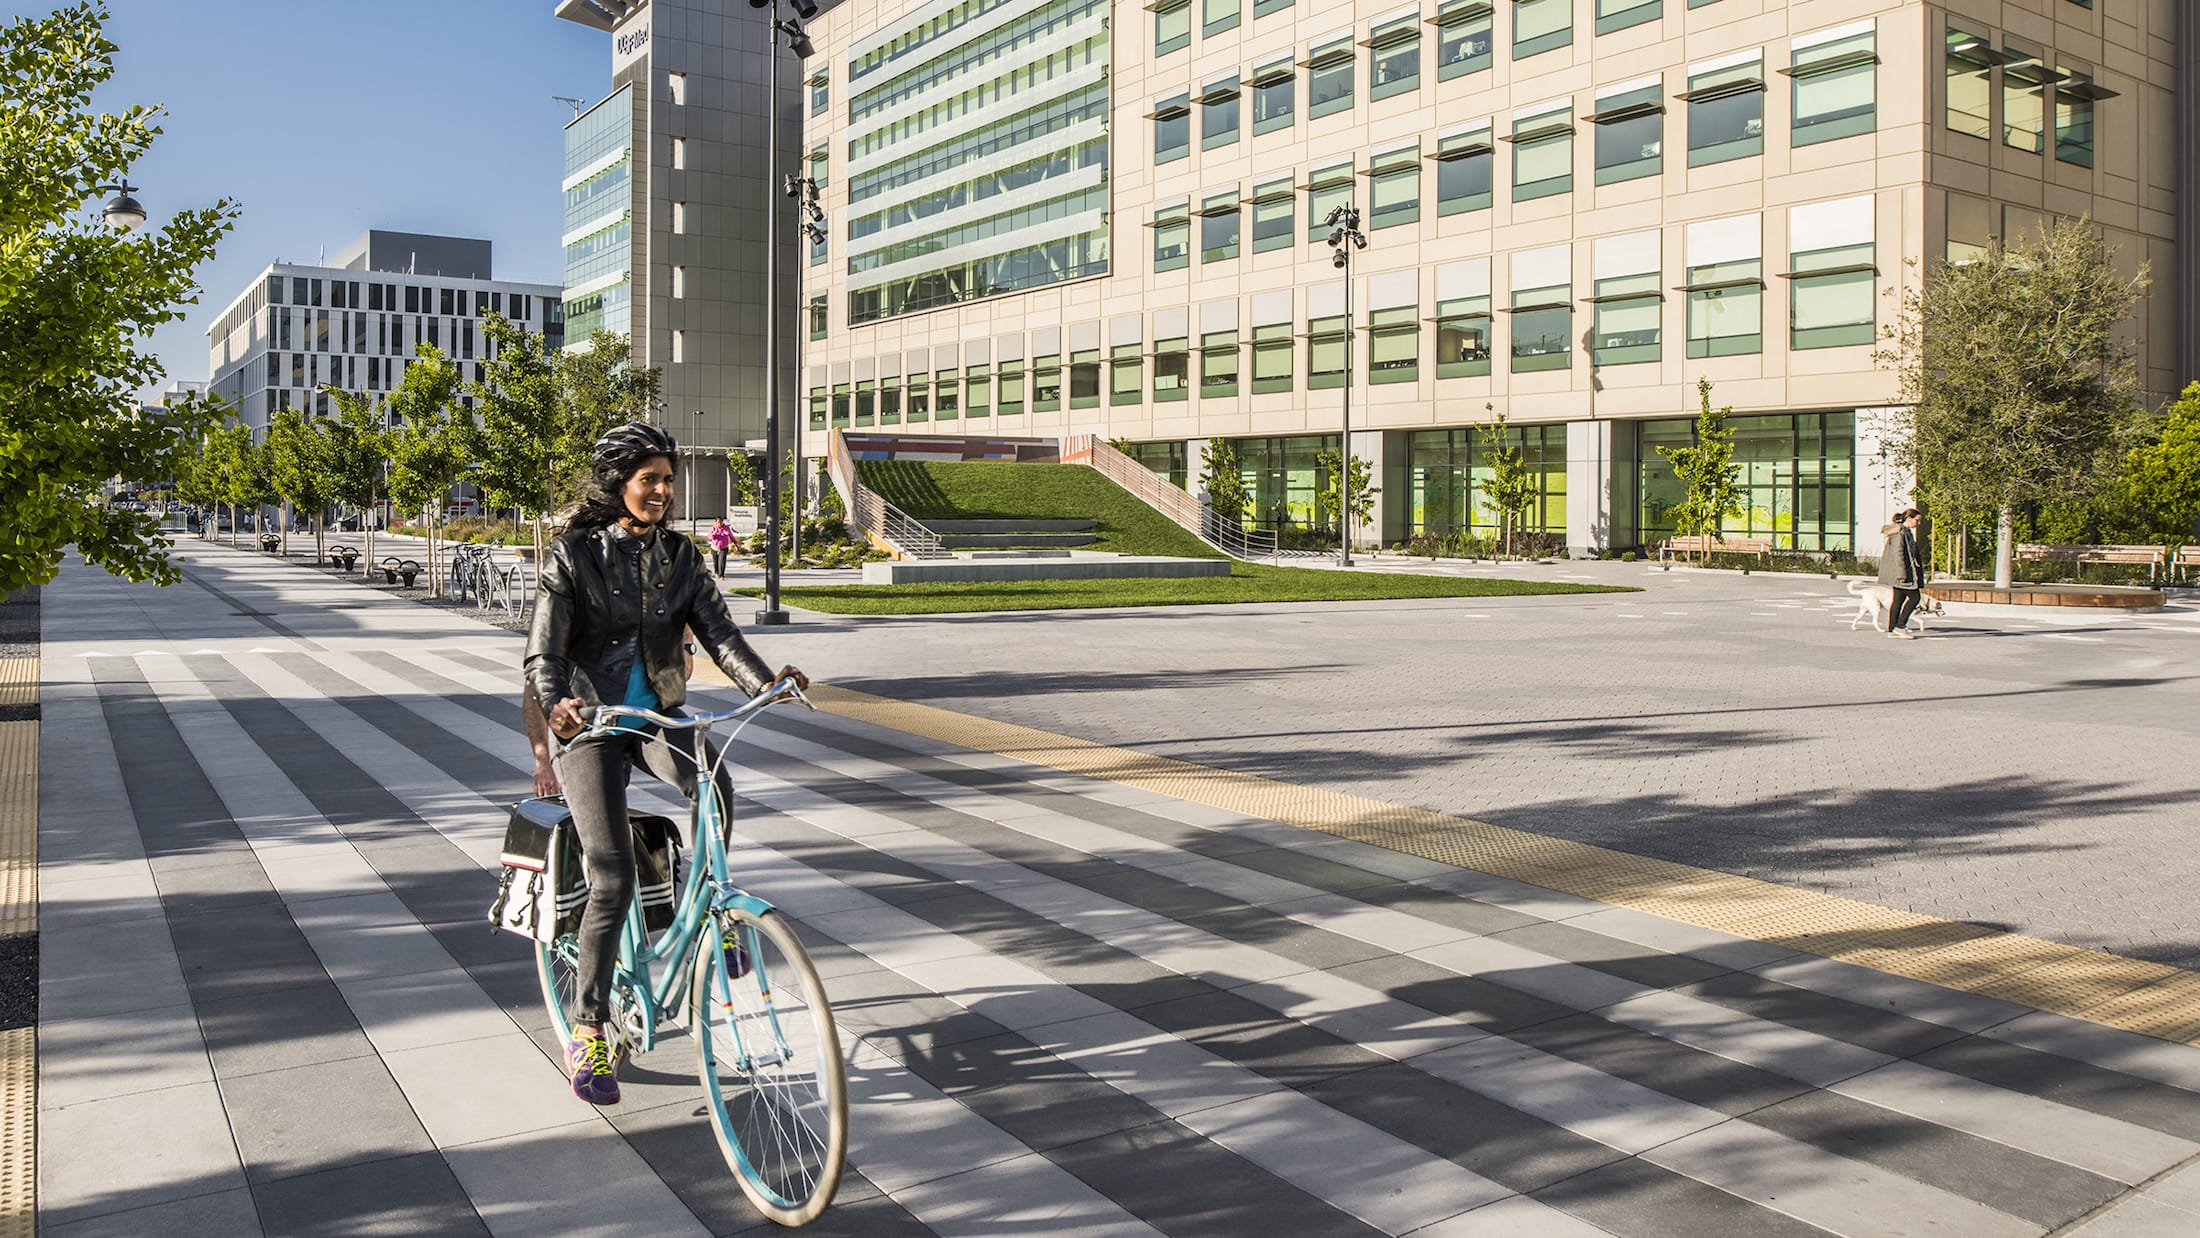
[617, 588]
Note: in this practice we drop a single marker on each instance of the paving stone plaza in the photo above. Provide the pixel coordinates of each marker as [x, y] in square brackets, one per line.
[270, 805]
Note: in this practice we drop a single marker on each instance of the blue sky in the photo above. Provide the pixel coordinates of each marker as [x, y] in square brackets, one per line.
[324, 118]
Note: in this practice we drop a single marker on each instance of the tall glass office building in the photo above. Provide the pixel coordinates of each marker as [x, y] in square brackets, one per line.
[599, 219]
[977, 154]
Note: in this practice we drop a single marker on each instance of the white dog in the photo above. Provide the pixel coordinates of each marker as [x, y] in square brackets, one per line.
[1875, 601]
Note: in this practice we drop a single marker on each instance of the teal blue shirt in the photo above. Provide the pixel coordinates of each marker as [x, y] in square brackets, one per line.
[638, 696]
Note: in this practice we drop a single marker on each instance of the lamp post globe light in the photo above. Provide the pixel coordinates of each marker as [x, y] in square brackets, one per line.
[122, 210]
[799, 44]
[1344, 237]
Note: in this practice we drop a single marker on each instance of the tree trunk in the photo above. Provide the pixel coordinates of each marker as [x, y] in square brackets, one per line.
[233, 526]
[435, 584]
[320, 536]
[2005, 547]
[366, 522]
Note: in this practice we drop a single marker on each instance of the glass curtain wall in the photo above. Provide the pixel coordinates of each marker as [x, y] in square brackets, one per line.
[1449, 473]
[1797, 474]
[1283, 481]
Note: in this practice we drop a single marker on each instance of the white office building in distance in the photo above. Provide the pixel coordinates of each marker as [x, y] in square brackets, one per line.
[1099, 217]
[355, 324]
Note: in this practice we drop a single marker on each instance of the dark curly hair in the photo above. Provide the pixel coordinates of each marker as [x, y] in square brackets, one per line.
[617, 456]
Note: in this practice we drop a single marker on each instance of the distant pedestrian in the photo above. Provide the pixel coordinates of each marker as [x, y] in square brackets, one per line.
[1902, 568]
[721, 540]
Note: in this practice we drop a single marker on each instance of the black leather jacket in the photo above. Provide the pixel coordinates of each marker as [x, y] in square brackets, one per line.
[606, 593]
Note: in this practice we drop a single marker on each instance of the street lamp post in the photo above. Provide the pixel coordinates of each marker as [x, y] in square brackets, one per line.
[799, 44]
[695, 460]
[1344, 237]
[810, 218]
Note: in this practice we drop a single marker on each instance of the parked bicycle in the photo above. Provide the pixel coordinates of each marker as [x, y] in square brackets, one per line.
[767, 1052]
[468, 578]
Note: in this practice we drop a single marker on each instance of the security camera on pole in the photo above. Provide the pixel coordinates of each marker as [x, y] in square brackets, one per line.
[798, 43]
[811, 216]
[1344, 237]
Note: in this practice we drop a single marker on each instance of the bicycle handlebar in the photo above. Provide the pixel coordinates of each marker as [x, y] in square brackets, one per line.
[600, 717]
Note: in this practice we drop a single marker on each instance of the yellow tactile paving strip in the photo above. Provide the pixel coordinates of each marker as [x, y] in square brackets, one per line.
[18, 915]
[2109, 989]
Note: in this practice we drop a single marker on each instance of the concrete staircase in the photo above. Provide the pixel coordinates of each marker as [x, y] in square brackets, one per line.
[1013, 534]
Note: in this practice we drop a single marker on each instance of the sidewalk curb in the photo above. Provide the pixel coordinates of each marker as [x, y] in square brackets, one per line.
[19, 918]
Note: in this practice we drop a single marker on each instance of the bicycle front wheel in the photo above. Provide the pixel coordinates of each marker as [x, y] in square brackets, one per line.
[769, 1059]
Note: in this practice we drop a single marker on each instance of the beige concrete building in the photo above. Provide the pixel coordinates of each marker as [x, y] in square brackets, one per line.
[1077, 216]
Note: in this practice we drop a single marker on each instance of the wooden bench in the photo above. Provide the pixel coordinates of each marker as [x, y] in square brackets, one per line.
[2186, 557]
[2153, 556]
[1706, 545]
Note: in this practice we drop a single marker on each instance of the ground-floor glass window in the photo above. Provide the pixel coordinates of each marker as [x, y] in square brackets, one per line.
[1283, 480]
[1797, 475]
[1169, 459]
[1449, 471]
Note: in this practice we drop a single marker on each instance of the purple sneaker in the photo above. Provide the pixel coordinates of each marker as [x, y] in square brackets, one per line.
[595, 1080]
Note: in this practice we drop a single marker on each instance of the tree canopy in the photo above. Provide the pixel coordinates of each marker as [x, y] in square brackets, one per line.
[1710, 480]
[77, 298]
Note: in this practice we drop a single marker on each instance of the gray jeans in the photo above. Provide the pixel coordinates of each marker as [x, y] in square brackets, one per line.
[594, 770]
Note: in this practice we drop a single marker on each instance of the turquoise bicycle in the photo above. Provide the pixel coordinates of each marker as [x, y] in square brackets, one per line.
[766, 1050]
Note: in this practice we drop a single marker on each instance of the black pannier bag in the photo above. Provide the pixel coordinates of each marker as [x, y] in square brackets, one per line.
[544, 885]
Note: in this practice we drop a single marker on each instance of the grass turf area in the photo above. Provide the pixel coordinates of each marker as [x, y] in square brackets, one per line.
[939, 490]
[1247, 582]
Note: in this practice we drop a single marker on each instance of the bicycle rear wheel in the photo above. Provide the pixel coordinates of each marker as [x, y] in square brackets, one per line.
[769, 1059]
[556, 968]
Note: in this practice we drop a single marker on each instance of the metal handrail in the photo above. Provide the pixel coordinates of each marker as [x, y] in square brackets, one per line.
[877, 519]
[1197, 518]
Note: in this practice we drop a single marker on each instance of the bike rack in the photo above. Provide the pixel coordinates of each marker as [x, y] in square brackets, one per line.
[394, 567]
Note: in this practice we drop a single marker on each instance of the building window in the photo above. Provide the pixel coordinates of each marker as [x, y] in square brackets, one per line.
[1273, 88]
[1126, 374]
[840, 404]
[676, 86]
[2074, 99]
[1172, 237]
[946, 395]
[1449, 472]
[1726, 111]
[1012, 388]
[1084, 378]
[1543, 151]
[1172, 128]
[1394, 345]
[679, 345]
[1272, 209]
[1463, 337]
[1218, 364]
[1171, 369]
[1394, 187]
[1325, 345]
[818, 319]
[977, 392]
[1218, 227]
[1046, 383]
[1620, 14]
[1541, 26]
[679, 153]
[1970, 77]
[919, 397]
[1218, 114]
[1542, 310]
[1630, 123]
[1172, 27]
[1833, 274]
[1329, 78]
[889, 401]
[2024, 79]
[1262, 8]
[1726, 287]
[1629, 303]
[1836, 76]
[1217, 16]
[679, 281]
[1463, 38]
[1797, 472]
[866, 402]
[1272, 360]
[1463, 172]
[1394, 57]
[679, 217]
[1326, 190]
[821, 92]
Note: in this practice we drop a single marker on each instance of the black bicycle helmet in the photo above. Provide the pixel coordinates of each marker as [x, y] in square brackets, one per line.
[622, 448]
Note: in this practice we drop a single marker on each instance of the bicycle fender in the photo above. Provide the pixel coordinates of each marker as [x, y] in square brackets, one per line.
[730, 899]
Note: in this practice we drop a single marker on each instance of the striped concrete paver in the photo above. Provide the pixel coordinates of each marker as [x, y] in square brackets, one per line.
[1079, 1000]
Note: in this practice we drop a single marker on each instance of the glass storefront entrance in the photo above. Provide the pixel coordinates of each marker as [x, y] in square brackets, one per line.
[1449, 473]
[1797, 475]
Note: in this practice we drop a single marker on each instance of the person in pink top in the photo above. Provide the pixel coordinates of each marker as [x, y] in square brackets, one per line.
[721, 540]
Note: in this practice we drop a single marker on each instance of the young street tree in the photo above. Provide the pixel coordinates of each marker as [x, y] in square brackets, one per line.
[1364, 489]
[2164, 476]
[1710, 486]
[358, 452]
[2019, 390]
[519, 409]
[298, 472]
[76, 298]
[1511, 487]
[1224, 478]
[427, 452]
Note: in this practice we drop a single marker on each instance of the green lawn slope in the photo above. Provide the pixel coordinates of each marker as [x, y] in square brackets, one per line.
[931, 490]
